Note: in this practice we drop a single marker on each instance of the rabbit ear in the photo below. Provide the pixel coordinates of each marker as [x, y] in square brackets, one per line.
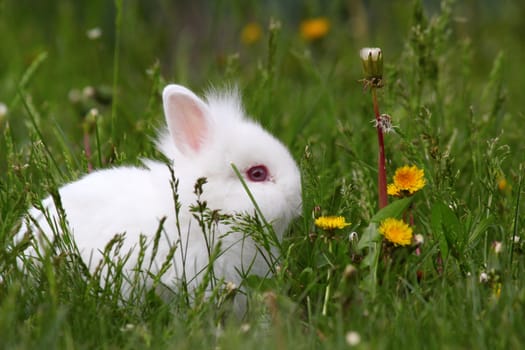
[187, 118]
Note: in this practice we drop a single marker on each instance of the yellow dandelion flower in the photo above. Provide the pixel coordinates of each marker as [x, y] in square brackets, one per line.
[396, 231]
[407, 179]
[497, 290]
[251, 33]
[329, 223]
[314, 28]
[502, 184]
[393, 190]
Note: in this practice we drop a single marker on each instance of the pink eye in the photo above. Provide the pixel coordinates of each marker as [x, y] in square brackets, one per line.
[257, 173]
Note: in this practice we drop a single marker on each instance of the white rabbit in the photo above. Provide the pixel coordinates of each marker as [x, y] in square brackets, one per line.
[203, 138]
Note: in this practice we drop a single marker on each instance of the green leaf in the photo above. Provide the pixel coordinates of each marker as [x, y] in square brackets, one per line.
[393, 210]
[437, 230]
[371, 239]
[478, 229]
[260, 283]
[447, 229]
[370, 236]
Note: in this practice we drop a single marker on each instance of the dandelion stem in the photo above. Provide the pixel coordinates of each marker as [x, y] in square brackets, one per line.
[327, 289]
[87, 150]
[381, 164]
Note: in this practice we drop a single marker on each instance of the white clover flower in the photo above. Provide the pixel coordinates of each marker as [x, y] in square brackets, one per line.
[88, 92]
[74, 96]
[3, 110]
[94, 112]
[128, 327]
[497, 246]
[353, 338]
[94, 33]
[245, 327]
[349, 271]
[231, 287]
[516, 239]
[419, 239]
[483, 277]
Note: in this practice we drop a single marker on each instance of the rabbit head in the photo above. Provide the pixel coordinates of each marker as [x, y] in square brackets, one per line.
[206, 136]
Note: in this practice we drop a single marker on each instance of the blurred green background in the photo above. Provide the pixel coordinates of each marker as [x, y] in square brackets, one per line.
[453, 86]
[199, 43]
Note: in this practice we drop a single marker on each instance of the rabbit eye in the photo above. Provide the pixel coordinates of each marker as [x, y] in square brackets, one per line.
[257, 173]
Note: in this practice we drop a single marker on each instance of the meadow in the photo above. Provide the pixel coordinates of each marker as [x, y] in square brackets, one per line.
[80, 87]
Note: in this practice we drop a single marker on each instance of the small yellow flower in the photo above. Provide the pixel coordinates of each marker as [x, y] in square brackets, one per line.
[502, 184]
[396, 231]
[407, 180]
[251, 33]
[392, 190]
[329, 223]
[497, 290]
[314, 28]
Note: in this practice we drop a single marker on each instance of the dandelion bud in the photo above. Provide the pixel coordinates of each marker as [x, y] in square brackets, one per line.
[90, 120]
[372, 59]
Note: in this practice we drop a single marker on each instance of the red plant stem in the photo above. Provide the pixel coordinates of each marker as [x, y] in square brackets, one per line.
[87, 149]
[381, 163]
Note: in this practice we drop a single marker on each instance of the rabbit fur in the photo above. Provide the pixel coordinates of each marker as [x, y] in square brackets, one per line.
[202, 139]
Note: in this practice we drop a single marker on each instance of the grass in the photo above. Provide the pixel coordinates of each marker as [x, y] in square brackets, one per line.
[452, 86]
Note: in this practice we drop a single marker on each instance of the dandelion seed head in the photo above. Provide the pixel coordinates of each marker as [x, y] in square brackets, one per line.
[352, 338]
[94, 33]
[384, 123]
